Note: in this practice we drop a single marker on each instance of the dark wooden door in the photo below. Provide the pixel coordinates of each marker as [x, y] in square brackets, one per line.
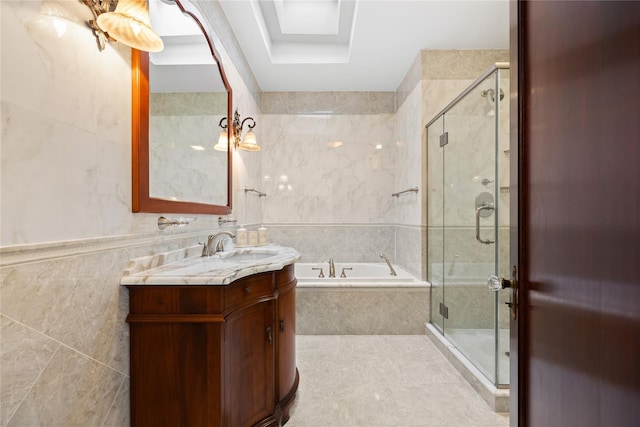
[579, 89]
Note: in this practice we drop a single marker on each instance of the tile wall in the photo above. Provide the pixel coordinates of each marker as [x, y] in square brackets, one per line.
[328, 168]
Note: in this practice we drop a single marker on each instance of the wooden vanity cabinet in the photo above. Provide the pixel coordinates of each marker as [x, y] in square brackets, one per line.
[218, 355]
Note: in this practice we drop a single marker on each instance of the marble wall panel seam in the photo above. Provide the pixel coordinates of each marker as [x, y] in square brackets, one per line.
[115, 399]
[61, 344]
[15, 410]
[44, 368]
[72, 390]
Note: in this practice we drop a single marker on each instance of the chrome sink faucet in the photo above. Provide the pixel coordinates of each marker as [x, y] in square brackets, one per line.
[214, 243]
[332, 268]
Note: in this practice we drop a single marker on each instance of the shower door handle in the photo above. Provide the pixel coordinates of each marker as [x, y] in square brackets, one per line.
[496, 283]
[479, 209]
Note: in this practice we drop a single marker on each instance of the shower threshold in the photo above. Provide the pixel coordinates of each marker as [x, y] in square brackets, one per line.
[496, 398]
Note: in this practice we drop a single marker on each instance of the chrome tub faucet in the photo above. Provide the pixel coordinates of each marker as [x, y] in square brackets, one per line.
[393, 272]
[332, 268]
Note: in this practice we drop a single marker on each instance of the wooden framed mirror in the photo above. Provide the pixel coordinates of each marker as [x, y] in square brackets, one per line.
[181, 97]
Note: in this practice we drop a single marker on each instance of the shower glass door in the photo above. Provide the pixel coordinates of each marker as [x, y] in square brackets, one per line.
[468, 228]
[469, 251]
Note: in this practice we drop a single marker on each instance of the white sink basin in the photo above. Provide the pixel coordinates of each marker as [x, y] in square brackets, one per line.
[240, 257]
[247, 255]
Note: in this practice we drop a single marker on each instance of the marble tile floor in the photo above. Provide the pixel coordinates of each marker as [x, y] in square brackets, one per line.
[383, 381]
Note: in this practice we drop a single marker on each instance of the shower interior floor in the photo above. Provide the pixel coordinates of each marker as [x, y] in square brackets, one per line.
[384, 381]
[478, 345]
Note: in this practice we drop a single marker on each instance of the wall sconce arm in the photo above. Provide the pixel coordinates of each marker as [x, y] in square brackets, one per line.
[98, 7]
[249, 143]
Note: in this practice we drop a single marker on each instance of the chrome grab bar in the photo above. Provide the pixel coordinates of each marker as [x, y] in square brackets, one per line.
[410, 190]
[484, 206]
[253, 190]
[222, 220]
[180, 221]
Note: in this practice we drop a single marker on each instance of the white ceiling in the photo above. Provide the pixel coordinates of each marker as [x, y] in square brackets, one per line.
[349, 45]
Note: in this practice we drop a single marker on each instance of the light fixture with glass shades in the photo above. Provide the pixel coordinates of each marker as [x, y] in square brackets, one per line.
[223, 139]
[249, 142]
[125, 21]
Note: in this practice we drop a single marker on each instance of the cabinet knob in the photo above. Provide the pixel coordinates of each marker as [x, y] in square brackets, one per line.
[247, 289]
[269, 335]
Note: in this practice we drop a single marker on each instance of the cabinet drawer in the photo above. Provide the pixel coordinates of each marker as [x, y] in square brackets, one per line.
[246, 291]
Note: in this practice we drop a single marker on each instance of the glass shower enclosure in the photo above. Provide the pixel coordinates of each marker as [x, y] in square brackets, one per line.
[468, 222]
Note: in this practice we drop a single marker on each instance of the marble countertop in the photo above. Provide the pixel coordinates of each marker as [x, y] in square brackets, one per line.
[187, 267]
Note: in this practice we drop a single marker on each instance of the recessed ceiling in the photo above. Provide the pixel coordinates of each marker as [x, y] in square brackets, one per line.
[306, 32]
[349, 45]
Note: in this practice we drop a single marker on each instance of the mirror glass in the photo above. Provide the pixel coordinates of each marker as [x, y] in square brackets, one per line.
[188, 98]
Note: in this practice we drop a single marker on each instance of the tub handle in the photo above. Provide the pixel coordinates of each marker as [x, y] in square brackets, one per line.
[343, 269]
[321, 275]
[485, 206]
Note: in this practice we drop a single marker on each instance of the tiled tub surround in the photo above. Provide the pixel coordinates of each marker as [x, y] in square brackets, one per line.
[342, 242]
[354, 243]
[332, 197]
[339, 169]
[368, 302]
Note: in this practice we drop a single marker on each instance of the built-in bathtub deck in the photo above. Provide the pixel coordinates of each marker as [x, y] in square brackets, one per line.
[362, 303]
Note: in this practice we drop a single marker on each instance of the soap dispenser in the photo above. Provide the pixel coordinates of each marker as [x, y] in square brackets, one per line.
[241, 236]
[262, 235]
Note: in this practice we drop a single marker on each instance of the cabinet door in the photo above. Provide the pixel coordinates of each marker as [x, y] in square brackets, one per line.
[249, 359]
[287, 342]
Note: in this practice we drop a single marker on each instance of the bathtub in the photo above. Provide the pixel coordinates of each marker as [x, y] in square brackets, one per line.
[369, 301]
[360, 275]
